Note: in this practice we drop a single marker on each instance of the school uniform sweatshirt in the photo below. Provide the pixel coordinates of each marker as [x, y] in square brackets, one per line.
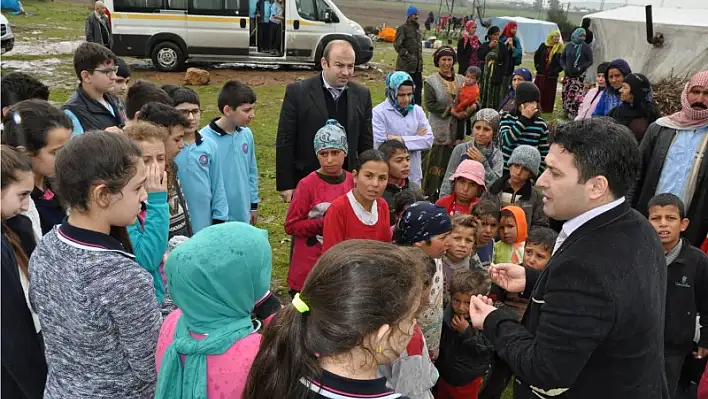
[99, 315]
[343, 222]
[305, 220]
[149, 236]
[202, 183]
[517, 130]
[236, 153]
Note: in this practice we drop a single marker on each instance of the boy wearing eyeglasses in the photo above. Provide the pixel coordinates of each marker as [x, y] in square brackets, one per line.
[197, 169]
[93, 106]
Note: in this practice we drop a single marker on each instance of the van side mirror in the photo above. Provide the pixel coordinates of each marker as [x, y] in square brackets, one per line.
[328, 16]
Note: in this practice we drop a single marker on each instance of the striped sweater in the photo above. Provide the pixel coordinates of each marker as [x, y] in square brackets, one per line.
[99, 316]
[518, 130]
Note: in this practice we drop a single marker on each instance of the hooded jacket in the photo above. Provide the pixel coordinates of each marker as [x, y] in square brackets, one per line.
[514, 253]
[610, 97]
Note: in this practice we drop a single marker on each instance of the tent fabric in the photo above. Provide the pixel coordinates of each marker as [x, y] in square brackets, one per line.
[621, 33]
[531, 32]
[10, 5]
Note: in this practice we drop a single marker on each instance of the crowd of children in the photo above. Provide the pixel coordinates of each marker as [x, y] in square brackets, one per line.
[131, 266]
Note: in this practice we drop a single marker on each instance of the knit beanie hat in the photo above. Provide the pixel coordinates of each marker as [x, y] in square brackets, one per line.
[490, 116]
[526, 156]
[331, 137]
[527, 92]
[412, 10]
[421, 222]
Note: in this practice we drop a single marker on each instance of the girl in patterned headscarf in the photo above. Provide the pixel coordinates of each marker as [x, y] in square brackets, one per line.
[482, 148]
[312, 198]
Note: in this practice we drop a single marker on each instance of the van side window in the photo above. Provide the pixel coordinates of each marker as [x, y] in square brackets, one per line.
[219, 7]
[138, 5]
[177, 4]
[313, 10]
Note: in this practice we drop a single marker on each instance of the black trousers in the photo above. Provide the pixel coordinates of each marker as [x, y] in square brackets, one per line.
[418, 94]
[264, 41]
[276, 31]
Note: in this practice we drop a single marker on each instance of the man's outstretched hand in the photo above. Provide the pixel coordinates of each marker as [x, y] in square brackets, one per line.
[508, 276]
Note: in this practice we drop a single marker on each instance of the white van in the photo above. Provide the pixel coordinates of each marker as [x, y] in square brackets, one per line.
[6, 35]
[171, 32]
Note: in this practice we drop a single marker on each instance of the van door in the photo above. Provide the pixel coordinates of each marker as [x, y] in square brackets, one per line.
[311, 20]
[218, 28]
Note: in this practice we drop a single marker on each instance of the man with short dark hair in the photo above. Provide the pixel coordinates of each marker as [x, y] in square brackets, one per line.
[594, 327]
[307, 106]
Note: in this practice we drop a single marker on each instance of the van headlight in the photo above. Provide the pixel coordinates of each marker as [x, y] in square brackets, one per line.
[356, 28]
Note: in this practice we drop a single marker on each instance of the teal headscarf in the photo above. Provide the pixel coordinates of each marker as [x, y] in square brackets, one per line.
[578, 43]
[394, 80]
[215, 278]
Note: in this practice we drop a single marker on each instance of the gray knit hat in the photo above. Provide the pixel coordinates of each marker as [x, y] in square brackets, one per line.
[526, 156]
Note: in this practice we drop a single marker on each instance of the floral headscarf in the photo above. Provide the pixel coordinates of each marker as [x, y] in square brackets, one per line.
[394, 80]
[471, 40]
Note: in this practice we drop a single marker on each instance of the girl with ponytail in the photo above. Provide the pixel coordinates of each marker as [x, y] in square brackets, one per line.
[355, 312]
[23, 364]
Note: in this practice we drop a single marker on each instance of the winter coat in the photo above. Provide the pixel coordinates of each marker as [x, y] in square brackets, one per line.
[409, 46]
[529, 198]
[653, 150]
[567, 60]
[539, 60]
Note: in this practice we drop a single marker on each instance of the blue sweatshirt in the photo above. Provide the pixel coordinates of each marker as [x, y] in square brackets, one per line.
[237, 157]
[150, 237]
[202, 183]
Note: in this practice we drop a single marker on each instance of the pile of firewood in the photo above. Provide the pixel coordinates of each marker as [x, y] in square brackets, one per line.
[667, 94]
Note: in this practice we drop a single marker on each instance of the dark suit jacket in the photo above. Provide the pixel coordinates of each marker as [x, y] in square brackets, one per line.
[92, 29]
[303, 113]
[595, 322]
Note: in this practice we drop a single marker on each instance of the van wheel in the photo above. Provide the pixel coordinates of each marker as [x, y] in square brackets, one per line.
[168, 57]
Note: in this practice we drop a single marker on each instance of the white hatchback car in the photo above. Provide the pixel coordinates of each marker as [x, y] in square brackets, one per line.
[6, 35]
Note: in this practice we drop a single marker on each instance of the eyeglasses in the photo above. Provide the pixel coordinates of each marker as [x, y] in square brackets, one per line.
[193, 112]
[107, 71]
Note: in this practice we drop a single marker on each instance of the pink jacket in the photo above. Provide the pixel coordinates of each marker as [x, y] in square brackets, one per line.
[226, 373]
[587, 107]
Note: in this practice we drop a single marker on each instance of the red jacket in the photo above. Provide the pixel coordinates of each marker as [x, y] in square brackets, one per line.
[305, 221]
[703, 385]
[449, 202]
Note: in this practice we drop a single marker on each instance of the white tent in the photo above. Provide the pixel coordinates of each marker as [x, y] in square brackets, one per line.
[621, 33]
[531, 32]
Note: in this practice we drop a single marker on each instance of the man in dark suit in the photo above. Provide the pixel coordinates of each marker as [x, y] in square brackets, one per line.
[594, 327]
[308, 104]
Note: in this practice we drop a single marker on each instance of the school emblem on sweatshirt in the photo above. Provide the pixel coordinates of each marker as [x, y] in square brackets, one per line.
[203, 160]
[244, 148]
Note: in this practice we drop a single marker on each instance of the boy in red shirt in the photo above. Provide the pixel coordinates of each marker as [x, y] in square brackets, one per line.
[468, 186]
[312, 198]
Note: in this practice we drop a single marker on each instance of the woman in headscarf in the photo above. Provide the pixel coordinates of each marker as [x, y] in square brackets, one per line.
[481, 148]
[637, 110]
[398, 118]
[592, 97]
[575, 61]
[510, 53]
[547, 62]
[216, 278]
[468, 48]
[439, 91]
[614, 77]
[508, 104]
[491, 84]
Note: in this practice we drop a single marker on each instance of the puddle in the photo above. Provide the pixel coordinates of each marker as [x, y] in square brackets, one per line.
[54, 72]
[44, 47]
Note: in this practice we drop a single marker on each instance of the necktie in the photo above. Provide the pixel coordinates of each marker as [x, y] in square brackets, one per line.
[559, 241]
